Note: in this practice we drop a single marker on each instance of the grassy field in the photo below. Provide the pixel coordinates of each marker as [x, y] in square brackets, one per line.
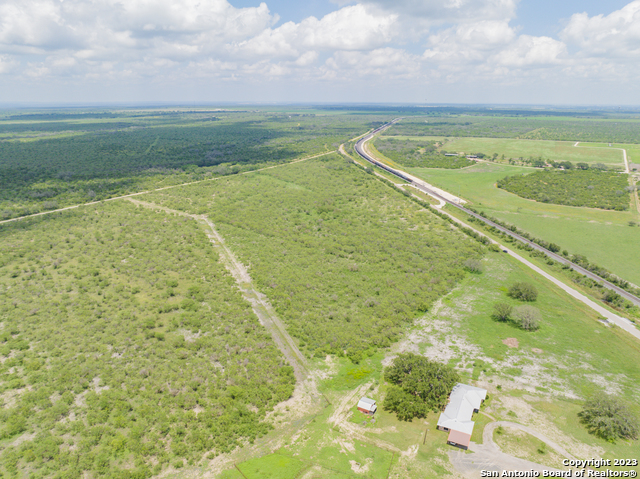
[539, 374]
[533, 384]
[604, 237]
[552, 150]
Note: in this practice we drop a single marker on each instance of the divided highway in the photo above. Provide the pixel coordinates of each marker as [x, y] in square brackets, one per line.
[360, 149]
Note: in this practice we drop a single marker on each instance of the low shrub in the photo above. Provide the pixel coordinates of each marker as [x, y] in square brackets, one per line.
[527, 317]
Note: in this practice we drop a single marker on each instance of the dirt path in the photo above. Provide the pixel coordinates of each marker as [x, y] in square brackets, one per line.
[124, 197]
[259, 302]
[488, 456]
[487, 436]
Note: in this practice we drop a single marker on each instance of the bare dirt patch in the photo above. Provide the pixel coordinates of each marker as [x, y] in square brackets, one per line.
[360, 468]
[511, 342]
[537, 350]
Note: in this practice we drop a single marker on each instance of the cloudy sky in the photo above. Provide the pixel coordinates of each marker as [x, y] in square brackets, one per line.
[418, 51]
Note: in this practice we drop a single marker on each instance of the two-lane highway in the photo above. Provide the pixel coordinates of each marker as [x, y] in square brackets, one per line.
[416, 182]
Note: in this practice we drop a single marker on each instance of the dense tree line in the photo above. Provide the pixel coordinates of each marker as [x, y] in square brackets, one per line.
[345, 261]
[419, 154]
[125, 347]
[590, 188]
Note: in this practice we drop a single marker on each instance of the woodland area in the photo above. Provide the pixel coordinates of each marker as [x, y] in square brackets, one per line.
[524, 127]
[73, 159]
[591, 188]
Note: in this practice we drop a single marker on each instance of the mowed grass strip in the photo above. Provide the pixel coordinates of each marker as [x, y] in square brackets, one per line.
[604, 237]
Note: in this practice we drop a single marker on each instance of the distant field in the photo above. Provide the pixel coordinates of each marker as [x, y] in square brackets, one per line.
[552, 150]
[602, 236]
[417, 138]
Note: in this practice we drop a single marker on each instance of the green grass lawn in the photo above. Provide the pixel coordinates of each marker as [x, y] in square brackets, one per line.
[273, 466]
[525, 446]
[604, 237]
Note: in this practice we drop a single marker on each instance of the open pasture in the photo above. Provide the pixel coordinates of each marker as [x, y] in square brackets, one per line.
[551, 150]
[604, 237]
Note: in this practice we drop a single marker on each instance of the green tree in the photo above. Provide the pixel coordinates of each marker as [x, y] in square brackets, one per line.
[418, 386]
[609, 418]
[502, 311]
[527, 317]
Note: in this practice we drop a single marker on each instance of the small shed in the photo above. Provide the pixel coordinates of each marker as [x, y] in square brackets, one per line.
[367, 406]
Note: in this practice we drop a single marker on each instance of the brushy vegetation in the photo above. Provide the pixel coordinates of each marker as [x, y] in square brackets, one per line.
[418, 385]
[609, 418]
[125, 347]
[590, 188]
[421, 154]
[527, 317]
[345, 260]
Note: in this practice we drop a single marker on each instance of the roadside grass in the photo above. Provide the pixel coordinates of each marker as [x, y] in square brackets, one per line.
[552, 150]
[525, 446]
[604, 237]
[416, 138]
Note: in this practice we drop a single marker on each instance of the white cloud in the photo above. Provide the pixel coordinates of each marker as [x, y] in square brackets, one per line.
[350, 28]
[387, 63]
[616, 34]
[106, 26]
[530, 51]
[472, 42]
[112, 42]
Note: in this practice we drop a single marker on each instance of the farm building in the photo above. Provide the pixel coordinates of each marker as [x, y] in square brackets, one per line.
[456, 418]
[367, 406]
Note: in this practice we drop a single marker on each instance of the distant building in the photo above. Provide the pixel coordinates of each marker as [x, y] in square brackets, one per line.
[367, 406]
[472, 157]
[456, 418]
[450, 154]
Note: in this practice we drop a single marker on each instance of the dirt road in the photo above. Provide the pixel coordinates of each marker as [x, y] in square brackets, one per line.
[259, 302]
[124, 197]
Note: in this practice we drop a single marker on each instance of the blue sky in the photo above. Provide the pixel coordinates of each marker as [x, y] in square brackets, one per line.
[414, 51]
